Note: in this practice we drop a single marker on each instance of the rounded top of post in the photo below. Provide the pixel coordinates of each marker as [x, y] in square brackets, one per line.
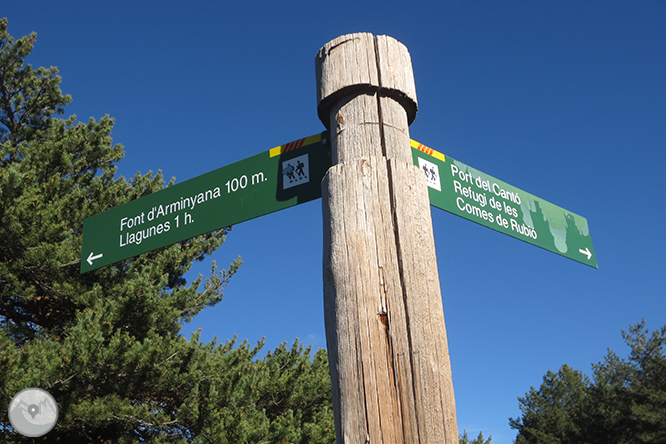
[360, 63]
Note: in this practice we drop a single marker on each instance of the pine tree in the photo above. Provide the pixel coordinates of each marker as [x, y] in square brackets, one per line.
[464, 439]
[106, 344]
[549, 412]
[627, 402]
[624, 402]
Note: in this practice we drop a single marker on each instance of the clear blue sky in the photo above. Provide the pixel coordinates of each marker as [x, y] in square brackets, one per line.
[565, 100]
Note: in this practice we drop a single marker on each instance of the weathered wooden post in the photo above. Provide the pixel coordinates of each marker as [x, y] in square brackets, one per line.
[383, 308]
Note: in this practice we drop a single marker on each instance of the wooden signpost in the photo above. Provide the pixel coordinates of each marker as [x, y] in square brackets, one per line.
[385, 332]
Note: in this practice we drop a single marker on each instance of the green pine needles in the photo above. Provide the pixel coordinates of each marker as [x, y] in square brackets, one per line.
[623, 402]
[106, 344]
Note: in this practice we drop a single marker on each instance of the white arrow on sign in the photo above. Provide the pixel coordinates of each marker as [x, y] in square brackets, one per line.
[91, 258]
[586, 252]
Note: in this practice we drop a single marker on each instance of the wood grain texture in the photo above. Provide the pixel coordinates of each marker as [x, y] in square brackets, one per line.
[361, 62]
[384, 319]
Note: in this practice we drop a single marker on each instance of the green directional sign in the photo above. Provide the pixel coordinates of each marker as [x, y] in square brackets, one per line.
[291, 174]
[282, 177]
[476, 196]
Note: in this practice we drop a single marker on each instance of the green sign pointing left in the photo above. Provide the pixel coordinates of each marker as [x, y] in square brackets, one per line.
[280, 178]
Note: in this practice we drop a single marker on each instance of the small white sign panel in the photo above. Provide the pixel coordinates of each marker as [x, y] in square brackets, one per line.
[295, 171]
[432, 173]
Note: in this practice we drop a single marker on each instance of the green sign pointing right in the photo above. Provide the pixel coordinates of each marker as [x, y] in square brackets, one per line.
[476, 196]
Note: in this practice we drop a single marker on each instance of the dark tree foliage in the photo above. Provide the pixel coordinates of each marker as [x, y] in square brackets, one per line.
[549, 413]
[464, 439]
[625, 402]
[106, 344]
